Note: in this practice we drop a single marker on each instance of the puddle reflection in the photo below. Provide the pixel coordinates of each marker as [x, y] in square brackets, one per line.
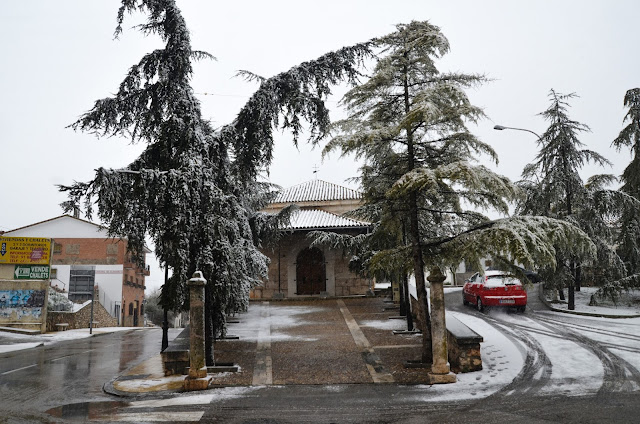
[87, 410]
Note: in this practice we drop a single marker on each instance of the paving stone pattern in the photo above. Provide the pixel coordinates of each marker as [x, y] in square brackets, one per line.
[311, 342]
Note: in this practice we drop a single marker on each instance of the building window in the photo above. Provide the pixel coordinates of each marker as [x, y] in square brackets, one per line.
[81, 282]
[131, 308]
[57, 248]
[142, 309]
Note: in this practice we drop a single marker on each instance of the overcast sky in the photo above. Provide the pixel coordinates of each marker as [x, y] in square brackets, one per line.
[58, 57]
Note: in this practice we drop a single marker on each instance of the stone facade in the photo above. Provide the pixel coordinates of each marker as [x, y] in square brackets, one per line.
[339, 280]
[296, 268]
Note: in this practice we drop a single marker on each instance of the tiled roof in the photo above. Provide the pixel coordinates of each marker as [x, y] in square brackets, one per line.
[317, 219]
[314, 191]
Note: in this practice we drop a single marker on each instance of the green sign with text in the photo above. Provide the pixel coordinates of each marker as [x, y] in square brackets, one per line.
[31, 272]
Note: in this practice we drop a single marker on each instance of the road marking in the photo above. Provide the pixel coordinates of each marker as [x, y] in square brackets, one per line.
[71, 354]
[263, 370]
[397, 346]
[153, 417]
[50, 360]
[19, 369]
[182, 400]
[372, 360]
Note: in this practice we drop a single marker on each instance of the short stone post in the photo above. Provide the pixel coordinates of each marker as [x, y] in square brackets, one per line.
[197, 378]
[440, 371]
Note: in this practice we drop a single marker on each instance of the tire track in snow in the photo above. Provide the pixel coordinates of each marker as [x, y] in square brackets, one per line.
[619, 375]
[537, 369]
[591, 329]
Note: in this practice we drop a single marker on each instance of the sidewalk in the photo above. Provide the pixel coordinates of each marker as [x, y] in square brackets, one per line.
[324, 342]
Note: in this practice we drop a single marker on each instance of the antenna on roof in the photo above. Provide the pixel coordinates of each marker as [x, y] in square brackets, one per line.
[315, 171]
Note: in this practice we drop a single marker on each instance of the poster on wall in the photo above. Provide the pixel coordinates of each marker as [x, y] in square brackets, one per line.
[25, 250]
[21, 304]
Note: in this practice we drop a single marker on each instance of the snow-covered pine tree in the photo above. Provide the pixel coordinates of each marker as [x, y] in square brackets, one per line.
[408, 123]
[629, 221]
[630, 137]
[185, 191]
[554, 187]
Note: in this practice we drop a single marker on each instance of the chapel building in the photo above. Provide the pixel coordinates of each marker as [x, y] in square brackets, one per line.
[299, 270]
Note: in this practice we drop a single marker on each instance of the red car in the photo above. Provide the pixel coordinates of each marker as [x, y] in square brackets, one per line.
[494, 288]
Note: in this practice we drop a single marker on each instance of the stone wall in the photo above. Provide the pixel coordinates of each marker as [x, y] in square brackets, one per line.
[340, 281]
[81, 318]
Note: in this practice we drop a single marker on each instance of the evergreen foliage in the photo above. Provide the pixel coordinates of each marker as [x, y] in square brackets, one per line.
[193, 188]
[630, 137]
[554, 188]
[421, 177]
[628, 239]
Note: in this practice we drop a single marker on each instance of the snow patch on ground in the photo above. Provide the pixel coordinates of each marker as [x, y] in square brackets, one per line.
[18, 346]
[571, 375]
[502, 361]
[389, 324]
[334, 389]
[138, 385]
[628, 303]
[17, 341]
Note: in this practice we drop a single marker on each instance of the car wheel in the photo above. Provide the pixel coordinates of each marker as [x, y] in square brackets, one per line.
[479, 305]
[465, 302]
[522, 308]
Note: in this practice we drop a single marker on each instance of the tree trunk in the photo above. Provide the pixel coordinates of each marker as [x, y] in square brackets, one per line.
[418, 266]
[571, 304]
[165, 322]
[405, 284]
[578, 277]
[403, 299]
[414, 232]
[208, 325]
[561, 294]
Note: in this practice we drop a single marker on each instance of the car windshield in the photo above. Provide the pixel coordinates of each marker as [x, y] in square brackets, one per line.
[501, 281]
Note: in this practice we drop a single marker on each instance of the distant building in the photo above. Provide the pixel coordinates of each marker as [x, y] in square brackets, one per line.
[84, 257]
[298, 270]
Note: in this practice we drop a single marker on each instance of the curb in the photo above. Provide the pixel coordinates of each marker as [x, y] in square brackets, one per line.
[584, 314]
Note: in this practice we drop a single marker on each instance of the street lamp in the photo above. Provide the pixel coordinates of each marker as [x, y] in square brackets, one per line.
[500, 128]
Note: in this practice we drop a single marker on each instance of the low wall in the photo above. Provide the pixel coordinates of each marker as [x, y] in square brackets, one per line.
[463, 344]
[81, 318]
[175, 358]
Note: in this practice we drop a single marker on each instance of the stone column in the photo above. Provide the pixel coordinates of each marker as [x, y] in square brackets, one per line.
[440, 371]
[197, 378]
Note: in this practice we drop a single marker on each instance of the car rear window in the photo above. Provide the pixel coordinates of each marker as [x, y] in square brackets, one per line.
[501, 281]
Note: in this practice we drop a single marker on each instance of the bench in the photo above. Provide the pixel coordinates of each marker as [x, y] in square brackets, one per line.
[463, 346]
[62, 326]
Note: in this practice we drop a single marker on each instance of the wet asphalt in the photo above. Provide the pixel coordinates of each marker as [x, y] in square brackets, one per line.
[35, 380]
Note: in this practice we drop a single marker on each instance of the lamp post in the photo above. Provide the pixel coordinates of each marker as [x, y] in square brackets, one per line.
[501, 127]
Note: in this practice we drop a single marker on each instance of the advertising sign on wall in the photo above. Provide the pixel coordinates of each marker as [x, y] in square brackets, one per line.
[25, 250]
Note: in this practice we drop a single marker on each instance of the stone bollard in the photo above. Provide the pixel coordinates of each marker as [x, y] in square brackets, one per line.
[440, 370]
[197, 378]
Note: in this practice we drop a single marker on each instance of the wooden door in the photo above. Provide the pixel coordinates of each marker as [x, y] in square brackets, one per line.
[310, 272]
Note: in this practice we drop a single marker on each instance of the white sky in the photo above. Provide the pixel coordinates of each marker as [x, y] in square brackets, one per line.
[59, 57]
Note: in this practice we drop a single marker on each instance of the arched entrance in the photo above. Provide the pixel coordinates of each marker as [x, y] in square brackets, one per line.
[310, 272]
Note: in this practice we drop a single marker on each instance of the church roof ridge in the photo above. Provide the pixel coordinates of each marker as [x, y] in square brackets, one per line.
[315, 191]
[308, 219]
